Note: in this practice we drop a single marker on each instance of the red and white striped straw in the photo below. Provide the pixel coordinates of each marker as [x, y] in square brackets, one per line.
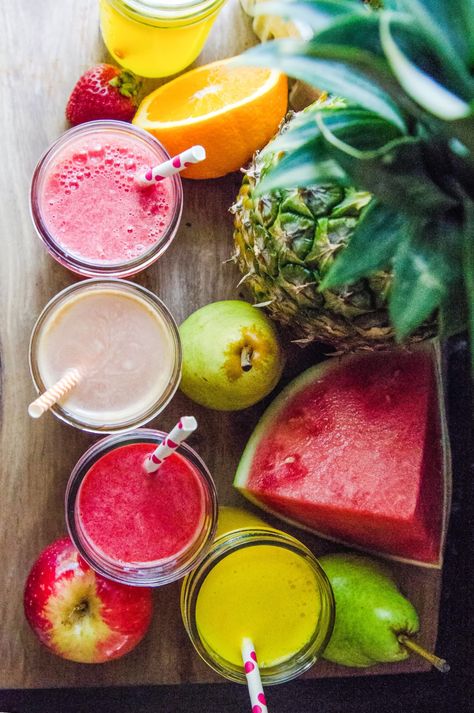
[252, 674]
[44, 402]
[178, 163]
[185, 426]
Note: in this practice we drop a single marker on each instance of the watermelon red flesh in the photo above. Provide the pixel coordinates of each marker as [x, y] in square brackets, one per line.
[354, 453]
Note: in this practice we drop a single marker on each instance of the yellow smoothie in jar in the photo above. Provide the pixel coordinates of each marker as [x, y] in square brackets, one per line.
[156, 38]
[259, 583]
[263, 592]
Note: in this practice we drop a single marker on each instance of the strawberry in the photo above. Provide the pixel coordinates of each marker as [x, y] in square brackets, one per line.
[103, 92]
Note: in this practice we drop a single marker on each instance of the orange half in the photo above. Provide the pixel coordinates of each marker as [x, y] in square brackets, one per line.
[232, 111]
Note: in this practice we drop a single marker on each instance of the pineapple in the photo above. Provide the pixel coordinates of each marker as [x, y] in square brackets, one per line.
[406, 136]
[286, 243]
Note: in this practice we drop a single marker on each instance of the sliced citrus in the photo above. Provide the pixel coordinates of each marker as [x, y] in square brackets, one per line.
[232, 111]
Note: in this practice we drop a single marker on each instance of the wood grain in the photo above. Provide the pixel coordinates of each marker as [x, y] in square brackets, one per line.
[45, 47]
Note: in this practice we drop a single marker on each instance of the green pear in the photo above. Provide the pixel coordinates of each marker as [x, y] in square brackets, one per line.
[232, 356]
[370, 612]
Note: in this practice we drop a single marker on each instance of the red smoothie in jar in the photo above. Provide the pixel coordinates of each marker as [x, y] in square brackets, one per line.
[88, 208]
[133, 516]
[135, 527]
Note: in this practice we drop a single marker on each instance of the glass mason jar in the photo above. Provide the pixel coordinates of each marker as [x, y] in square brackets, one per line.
[89, 211]
[156, 38]
[290, 598]
[164, 526]
[125, 344]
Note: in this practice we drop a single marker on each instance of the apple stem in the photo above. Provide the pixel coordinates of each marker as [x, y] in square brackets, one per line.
[246, 358]
[441, 664]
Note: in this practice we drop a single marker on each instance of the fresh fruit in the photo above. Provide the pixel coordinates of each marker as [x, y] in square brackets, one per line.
[232, 357]
[103, 92]
[407, 137]
[268, 27]
[371, 612]
[286, 243]
[78, 614]
[351, 450]
[231, 111]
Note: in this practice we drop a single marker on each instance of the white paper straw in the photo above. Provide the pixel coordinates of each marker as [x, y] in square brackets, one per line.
[185, 426]
[252, 674]
[195, 154]
[44, 402]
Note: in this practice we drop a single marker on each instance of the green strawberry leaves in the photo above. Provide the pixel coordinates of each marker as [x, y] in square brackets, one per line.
[127, 83]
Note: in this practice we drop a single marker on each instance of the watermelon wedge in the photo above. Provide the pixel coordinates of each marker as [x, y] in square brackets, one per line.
[355, 449]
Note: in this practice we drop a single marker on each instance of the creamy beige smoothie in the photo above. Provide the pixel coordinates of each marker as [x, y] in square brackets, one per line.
[124, 344]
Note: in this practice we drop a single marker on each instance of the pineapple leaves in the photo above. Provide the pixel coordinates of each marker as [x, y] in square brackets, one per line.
[451, 25]
[371, 246]
[396, 173]
[367, 130]
[429, 93]
[299, 168]
[315, 15]
[300, 60]
[309, 160]
[425, 275]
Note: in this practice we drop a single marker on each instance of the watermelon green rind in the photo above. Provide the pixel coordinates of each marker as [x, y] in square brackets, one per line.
[289, 393]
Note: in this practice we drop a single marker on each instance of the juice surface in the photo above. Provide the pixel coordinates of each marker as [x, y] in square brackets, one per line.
[92, 206]
[264, 592]
[154, 48]
[122, 346]
[136, 516]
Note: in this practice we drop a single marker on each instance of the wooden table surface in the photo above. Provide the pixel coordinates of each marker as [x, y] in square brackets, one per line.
[45, 47]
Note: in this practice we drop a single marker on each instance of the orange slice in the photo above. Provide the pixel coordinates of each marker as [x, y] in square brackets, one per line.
[232, 111]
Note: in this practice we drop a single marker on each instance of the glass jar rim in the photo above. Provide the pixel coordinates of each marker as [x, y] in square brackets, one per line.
[157, 572]
[127, 286]
[225, 545]
[167, 9]
[93, 268]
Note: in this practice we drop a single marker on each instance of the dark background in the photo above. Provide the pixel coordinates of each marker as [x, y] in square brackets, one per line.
[431, 692]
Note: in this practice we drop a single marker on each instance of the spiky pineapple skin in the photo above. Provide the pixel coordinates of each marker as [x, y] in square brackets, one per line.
[285, 243]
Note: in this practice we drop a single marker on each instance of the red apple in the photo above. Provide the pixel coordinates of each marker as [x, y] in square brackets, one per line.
[77, 613]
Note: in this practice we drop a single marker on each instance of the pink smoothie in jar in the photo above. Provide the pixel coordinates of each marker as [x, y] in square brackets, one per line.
[89, 210]
[139, 527]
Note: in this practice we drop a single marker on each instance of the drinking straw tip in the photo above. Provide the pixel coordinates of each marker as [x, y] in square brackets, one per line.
[35, 410]
[185, 426]
[198, 152]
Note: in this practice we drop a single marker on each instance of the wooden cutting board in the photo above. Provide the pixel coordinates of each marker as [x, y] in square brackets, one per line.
[45, 47]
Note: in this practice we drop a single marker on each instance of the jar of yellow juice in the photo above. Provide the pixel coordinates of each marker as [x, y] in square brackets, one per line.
[156, 38]
[258, 583]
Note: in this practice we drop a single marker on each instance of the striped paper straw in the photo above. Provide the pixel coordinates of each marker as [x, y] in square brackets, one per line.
[252, 674]
[44, 402]
[185, 426]
[195, 154]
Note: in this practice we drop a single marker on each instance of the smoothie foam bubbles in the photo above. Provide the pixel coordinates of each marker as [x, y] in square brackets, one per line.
[89, 210]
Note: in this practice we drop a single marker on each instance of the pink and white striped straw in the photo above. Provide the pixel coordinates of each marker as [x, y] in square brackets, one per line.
[185, 426]
[252, 674]
[44, 402]
[178, 163]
